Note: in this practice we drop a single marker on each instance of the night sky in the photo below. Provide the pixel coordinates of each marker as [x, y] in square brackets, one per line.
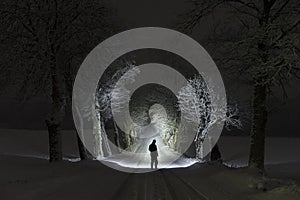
[283, 120]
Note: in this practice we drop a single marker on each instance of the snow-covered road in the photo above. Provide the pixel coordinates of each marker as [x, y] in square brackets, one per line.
[27, 177]
[157, 185]
[139, 159]
[31, 178]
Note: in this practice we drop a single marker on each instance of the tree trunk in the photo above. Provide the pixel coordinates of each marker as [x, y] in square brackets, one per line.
[57, 113]
[55, 141]
[257, 148]
[83, 153]
[215, 154]
[117, 136]
[82, 150]
[105, 140]
[259, 112]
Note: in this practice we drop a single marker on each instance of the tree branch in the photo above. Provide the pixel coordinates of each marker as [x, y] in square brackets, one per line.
[285, 32]
[250, 5]
[277, 14]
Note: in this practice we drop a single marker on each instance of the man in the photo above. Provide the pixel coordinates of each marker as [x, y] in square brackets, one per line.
[153, 154]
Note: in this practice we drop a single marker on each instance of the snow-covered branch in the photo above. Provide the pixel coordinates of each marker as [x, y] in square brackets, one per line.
[196, 105]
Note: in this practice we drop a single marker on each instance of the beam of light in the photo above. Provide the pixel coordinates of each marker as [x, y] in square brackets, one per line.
[139, 157]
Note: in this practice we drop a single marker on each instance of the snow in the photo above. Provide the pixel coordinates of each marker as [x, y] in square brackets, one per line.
[30, 178]
[24, 177]
[139, 159]
[280, 193]
[281, 152]
[235, 149]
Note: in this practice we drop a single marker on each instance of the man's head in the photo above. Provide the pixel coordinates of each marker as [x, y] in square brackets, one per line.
[154, 141]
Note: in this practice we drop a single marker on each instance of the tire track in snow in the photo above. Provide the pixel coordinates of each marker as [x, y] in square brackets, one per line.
[156, 185]
[180, 188]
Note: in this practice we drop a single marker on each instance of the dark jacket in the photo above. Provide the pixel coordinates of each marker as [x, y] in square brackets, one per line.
[152, 147]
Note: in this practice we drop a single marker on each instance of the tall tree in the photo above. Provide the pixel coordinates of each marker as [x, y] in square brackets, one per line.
[260, 40]
[195, 102]
[45, 41]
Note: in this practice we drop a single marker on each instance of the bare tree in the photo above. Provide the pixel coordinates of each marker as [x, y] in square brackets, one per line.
[195, 103]
[45, 39]
[114, 94]
[260, 41]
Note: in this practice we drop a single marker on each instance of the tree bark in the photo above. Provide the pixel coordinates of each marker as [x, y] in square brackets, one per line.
[57, 113]
[215, 153]
[260, 115]
[257, 148]
[117, 136]
[83, 154]
[55, 141]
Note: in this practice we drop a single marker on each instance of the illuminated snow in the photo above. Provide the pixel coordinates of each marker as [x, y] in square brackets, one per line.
[139, 158]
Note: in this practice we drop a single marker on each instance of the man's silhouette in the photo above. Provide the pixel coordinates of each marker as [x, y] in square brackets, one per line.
[153, 153]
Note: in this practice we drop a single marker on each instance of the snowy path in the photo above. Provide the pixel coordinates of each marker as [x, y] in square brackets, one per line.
[37, 179]
[157, 185]
[139, 159]
[34, 179]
